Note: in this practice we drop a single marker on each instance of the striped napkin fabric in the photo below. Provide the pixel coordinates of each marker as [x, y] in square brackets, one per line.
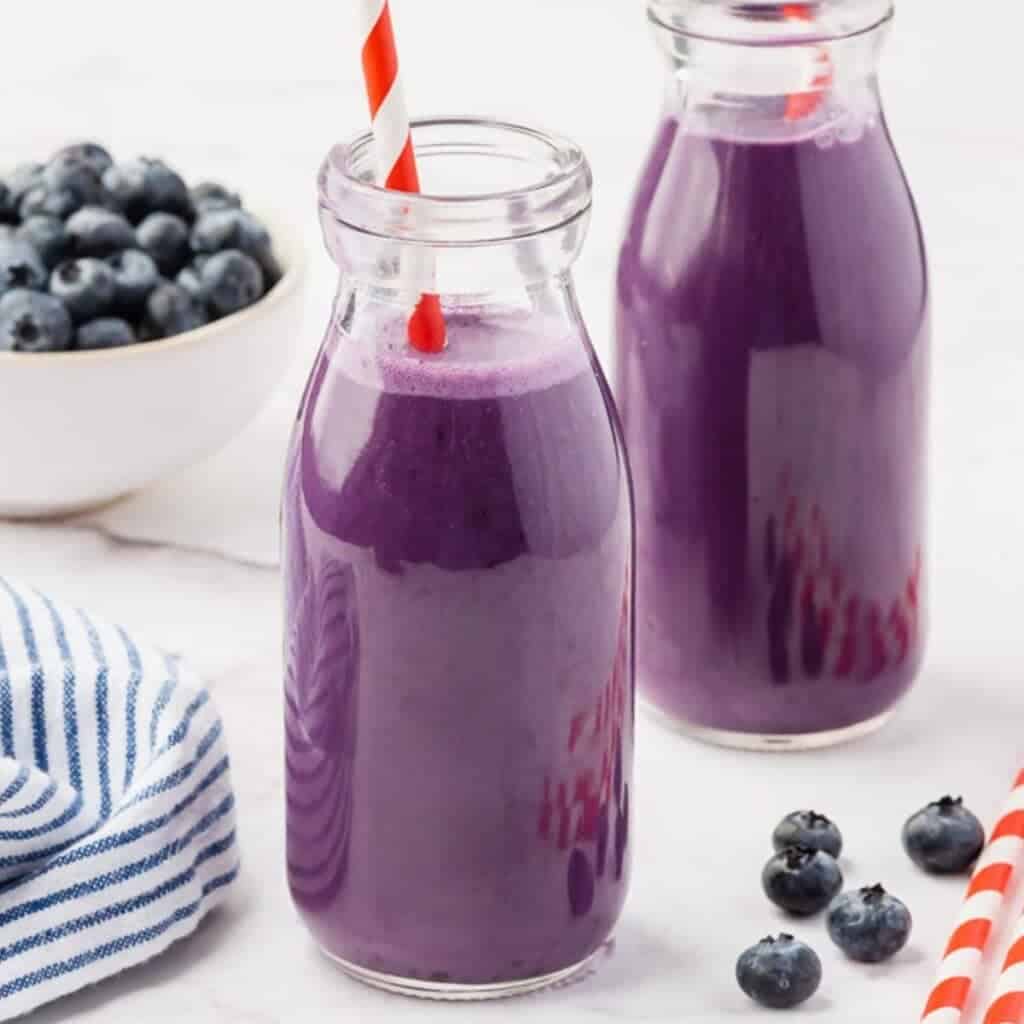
[117, 830]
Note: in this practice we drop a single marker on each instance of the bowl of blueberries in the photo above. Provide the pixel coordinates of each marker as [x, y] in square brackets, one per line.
[143, 323]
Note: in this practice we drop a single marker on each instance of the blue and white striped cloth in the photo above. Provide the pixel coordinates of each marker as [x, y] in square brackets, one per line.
[117, 831]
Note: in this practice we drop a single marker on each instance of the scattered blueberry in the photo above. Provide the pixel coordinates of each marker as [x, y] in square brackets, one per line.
[135, 276]
[146, 186]
[20, 266]
[869, 925]
[33, 322]
[779, 973]
[211, 196]
[171, 310]
[47, 236]
[86, 286]
[944, 838]
[97, 231]
[801, 881]
[106, 332]
[165, 237]
[809, 829]
[218, 230]
[91, 153]
[231, 281]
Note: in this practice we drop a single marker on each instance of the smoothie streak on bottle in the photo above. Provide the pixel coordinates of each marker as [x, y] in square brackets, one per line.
[458, 567]
[773, 342]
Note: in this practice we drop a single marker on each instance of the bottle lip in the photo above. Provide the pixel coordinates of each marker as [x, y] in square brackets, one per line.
[770, 23]
[524, 181]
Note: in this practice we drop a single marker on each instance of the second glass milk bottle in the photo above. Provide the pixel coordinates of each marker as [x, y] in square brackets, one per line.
[772, 374]
[458, 571]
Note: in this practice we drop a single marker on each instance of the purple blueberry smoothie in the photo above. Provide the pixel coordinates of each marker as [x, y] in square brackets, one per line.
[773, 340]
[459, 708]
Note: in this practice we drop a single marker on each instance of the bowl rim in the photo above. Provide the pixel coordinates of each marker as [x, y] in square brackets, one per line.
[294, 268]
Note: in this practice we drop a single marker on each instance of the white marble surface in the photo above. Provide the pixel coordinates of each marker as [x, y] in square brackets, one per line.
[255, 93]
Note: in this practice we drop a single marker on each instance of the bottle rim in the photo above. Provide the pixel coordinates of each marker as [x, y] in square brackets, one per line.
[770, 23]
[525, 181]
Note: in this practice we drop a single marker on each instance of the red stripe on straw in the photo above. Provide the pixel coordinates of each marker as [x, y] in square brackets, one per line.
[994, 878]
[1009, 1009]
[970, 935]
[949, 994]
[404, 176]
[380, 61]
[1010, 825]
[1015, 955]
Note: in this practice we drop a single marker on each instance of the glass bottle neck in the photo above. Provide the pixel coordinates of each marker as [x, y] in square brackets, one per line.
[798, 83]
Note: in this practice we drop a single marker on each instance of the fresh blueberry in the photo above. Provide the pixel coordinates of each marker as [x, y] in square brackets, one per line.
[231, 281]
[165, 237]
[944, 838]
[33, 322]
[801, 881]
[47, 236]
[210, 196]
[809, 829]
[91, 153]
[779, 973]
[96, 231]
[171, 310]
[20, 266]
[218, 230]
[21, 181]
[146, 186]
[86, 286]
[869, 925]
[67, 184]
[106, 332]
[135, 276]
[191, 280]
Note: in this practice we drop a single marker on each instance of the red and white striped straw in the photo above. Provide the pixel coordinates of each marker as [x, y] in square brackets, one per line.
[986, 895]
[396, 159]
[1007, 1006]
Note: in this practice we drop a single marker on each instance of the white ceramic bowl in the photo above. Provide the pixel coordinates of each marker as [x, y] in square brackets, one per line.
[79, 429]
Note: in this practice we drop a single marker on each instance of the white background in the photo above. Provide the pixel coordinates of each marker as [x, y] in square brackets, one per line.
[255, 93]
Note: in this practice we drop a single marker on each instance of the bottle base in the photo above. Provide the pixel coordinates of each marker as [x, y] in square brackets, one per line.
[422, 989]
[770, 742]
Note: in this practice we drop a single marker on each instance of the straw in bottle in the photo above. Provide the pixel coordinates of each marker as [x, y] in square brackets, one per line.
[396, 159]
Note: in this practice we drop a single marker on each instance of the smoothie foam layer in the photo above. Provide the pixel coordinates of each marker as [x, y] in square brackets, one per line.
[490, 354]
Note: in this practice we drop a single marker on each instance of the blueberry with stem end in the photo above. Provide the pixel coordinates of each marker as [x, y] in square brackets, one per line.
[33, 322]
[801, 881]
[86, 286]
[91, 153]
[779, 973]
[869, 925]
[944, 838]
[20, 266]
[809, 829]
